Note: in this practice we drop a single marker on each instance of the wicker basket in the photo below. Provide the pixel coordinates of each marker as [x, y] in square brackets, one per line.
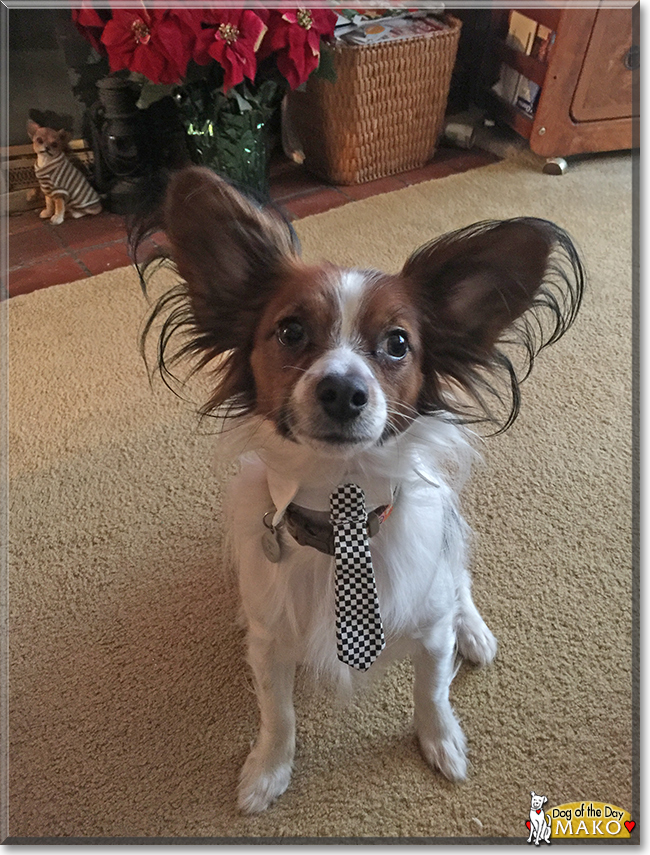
[385, 112]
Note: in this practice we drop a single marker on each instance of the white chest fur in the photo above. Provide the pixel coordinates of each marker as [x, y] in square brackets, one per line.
[416, 554]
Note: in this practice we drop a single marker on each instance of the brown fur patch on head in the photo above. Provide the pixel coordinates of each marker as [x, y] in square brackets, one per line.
[304, 320]
[304, 298]
[388, 310]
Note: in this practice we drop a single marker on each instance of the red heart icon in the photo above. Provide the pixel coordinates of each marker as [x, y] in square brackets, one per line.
[629, 824]
[528, 824]
[538, 811]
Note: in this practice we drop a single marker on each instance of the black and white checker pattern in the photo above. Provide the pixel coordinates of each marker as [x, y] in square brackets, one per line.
[359, 631]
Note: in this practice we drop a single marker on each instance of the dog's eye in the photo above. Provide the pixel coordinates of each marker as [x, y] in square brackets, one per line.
[396, 344]
[291, 332]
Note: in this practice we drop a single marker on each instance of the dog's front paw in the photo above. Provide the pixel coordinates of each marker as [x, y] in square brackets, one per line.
[448, 753]
[57, 219]
[261, 783]
[475, 641]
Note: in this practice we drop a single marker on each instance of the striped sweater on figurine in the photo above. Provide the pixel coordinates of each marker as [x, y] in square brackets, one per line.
[65, 188]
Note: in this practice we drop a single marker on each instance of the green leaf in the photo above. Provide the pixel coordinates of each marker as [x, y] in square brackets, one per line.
[242, 103]
[85, 88]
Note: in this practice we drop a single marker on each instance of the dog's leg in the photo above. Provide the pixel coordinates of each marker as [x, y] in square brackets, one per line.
[475, 641]
[59, 211]
[48, 210]
[267, 771]
[441, 739]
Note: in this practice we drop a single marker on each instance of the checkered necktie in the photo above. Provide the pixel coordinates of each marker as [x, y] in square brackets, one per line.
[359, 633]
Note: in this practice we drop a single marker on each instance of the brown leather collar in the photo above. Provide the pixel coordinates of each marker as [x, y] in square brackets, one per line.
[308, 531]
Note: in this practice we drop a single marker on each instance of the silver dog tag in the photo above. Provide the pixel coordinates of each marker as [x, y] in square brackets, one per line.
[271, 545]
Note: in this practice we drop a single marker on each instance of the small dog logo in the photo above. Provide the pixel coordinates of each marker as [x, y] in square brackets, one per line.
[539, 824]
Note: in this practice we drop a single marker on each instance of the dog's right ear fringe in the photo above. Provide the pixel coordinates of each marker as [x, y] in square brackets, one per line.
[228, 252]
[495, 293]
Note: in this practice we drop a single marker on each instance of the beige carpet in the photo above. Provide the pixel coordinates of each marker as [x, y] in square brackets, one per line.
[131, 709]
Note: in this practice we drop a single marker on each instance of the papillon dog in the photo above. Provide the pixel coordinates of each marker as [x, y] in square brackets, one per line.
[327, 376]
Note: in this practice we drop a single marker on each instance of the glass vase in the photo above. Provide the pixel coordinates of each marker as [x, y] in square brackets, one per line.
[231, 134]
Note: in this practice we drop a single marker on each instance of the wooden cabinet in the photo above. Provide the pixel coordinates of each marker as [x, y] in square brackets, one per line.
[589, 83]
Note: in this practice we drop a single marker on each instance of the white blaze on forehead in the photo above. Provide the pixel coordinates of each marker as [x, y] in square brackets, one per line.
[350, 288]
[340, 361]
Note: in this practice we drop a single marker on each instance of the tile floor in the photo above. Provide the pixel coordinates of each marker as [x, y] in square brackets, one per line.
[41, 255]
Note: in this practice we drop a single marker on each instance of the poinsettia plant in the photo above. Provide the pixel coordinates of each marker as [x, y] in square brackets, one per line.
[227, 68]
[168, 46]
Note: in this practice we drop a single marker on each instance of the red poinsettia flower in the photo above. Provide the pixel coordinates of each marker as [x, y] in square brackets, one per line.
[156, 43]
[91, 22]
[176, 30]
[296, 36]
[232, 37]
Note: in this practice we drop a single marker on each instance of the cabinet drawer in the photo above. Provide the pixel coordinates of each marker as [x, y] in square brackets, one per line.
[604, 88]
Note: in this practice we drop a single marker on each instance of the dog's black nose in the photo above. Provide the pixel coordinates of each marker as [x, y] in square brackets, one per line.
[342, 397]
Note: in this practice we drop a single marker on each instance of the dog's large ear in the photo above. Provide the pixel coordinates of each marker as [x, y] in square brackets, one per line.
[231, 254]
[228, 251]
[474, 284]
